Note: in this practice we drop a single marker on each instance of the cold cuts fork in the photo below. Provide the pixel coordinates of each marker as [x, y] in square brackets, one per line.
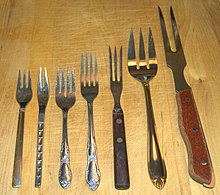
[23, 96]
[65, 99]
[121, 171]
[144, 72]
[43, 97]
[89, 90]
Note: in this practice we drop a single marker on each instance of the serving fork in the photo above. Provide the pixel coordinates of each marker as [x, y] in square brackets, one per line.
[144, 71]
[89, 90]
[23, 96]
[121, 171]
[65, 99]
[43, 97]
[199, 160]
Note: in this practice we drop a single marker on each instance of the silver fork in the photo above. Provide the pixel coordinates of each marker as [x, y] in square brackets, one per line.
[121, 170]
[65, 100]
[43, 97]
[89, 90]
[144, 72]
[23, 96]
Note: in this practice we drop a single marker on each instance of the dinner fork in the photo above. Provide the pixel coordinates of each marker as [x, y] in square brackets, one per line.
[89, 90]
[65, 99]
[121, 171]
[43, 97]
[23, 96]
[144, 72]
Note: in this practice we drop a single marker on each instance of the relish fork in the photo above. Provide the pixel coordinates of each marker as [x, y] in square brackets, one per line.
[89, 90]
[144, 72]
[23, 96]
[65, 100]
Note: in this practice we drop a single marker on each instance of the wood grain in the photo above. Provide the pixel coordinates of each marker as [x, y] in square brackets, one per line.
[54, 34]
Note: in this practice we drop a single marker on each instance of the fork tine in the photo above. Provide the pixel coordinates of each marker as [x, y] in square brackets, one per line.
[24, 79]
[46, 82]
[19, 80]
[39, 80]
[96, 70]
[164, 31]
[63, 82]
[141, 46]
[29, 79]
[68, 81]
[110, 63]
[87, 70]
[152, 52]
[175, 30]
[82, 76]
[91, 72]
[73, 81]
[120, 64]
[131, 48]
[58, 81]
[115, 64]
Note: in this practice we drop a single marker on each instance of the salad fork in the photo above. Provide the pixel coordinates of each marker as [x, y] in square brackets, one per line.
[144, 72]
[43, 97]
[121, 170]
[89, 90]
[23, 96]
[65, 99]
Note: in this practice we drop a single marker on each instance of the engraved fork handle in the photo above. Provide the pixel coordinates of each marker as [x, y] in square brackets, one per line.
[65, 173]
[16, 178]
[156, 164]
[92, 169]
[40, 137]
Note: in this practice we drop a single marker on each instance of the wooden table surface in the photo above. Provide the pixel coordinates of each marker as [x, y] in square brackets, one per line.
[54, 34]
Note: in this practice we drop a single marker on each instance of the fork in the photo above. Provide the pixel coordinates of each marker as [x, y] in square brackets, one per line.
[144, 71]
[89, 90]
[121, 171]
[65, 100]
[43, 97]
[23, 96]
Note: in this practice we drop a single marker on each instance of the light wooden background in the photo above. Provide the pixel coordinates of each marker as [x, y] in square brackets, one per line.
[54, 34]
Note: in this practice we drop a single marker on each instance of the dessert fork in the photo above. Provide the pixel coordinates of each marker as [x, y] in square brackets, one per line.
[43, 97]
[144, 72]
[65, 99]
[121, 171]
[23, 96]
[89, 90]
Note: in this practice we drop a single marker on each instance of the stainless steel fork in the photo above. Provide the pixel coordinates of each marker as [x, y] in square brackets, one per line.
[121, 171]
[43, 97]
[89, 90]
[144, 72]
[65, 99]
[23, 96]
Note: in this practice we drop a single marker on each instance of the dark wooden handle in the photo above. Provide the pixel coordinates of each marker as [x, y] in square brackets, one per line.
[199, 161]
[121, 171]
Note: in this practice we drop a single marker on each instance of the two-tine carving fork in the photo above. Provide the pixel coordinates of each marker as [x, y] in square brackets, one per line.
[23, 96]
[144, 71]
[199, 165]
[121, 170]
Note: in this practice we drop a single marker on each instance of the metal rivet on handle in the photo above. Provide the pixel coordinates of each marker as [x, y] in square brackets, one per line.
[195, 129]
[203, 162]
[118, 121]
[187, 99]
[119, 140]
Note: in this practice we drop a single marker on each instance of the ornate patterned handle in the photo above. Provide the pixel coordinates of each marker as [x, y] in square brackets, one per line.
[39, 158]
[65, 173]
[92, 170]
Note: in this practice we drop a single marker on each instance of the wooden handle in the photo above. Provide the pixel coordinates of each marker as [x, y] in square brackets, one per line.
[122, 181]
[200, 165]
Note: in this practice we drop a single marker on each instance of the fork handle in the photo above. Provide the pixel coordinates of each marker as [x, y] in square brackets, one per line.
[121, 171]
[16, 179]
[39, 154]
[156, 164]
[199, 161]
